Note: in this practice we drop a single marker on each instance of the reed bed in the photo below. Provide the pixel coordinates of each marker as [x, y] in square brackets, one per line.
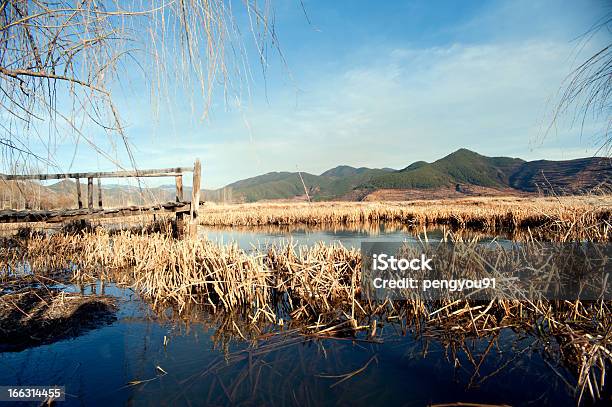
[317, 288]
[365, 229]
[565, 217]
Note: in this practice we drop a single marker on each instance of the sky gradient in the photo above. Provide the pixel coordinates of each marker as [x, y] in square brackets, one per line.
[377, 84]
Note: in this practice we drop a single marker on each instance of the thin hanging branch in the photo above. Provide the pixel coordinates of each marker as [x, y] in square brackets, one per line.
[589, 86]
[59, 60]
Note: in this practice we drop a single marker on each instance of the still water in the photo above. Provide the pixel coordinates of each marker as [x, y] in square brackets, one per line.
[349, 236]
[199, 363]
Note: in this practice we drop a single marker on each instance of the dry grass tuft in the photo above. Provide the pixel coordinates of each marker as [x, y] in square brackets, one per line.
[36, 315]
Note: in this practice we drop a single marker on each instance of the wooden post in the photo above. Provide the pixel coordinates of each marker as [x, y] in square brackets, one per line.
[179, 223]
[195, 197]
[179, 187]
[90, 193]
[78, 188]
[99, 193]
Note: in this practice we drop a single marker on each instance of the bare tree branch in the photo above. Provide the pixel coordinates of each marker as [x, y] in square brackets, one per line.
[59, 59]
[588, 87]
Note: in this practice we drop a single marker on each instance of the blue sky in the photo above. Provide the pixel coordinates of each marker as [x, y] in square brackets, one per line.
[377, 84]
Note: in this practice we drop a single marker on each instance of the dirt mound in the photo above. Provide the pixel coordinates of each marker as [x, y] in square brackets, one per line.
[35, 316]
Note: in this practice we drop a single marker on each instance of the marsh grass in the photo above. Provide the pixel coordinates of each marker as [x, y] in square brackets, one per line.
[556, 218]
[562, 218]
[314, 289]
[34, 314]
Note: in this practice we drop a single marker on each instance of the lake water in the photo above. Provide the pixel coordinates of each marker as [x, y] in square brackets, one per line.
[205, 366]
[348, 236]
[97, 367]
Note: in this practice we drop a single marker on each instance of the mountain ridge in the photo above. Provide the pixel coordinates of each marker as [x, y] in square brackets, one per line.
[462, 171]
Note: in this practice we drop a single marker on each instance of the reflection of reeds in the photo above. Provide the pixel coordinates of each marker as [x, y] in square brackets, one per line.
[316, 288]
[566, 217]
[364, 229]
[481, 354]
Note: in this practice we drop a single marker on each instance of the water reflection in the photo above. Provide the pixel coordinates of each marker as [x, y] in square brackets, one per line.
[149, 358]
[349, 235]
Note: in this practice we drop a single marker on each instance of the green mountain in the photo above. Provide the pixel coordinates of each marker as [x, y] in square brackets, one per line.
[458, 171]
[277, 185]
[415, 165]
[461, 167]
[332, 184]
[341, 186]
[345, 171]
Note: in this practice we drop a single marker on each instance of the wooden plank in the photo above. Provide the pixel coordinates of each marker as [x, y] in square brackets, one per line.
[179, 188]
[163, 172]
[14, 216]
[99, 193]
[90, 193]
[78, 189]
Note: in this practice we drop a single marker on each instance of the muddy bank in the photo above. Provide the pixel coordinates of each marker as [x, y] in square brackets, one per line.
[41, 315]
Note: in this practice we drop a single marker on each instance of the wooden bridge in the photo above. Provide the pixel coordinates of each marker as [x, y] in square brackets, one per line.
[179, 206]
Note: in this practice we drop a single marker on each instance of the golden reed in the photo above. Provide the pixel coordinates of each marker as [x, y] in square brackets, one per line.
[560, 218]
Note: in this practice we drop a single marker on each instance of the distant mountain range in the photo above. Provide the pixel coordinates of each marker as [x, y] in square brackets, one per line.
[462, 173]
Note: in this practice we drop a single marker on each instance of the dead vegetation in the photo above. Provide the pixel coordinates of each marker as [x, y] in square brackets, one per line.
[317, 289]
[561, 218]
[78, 51]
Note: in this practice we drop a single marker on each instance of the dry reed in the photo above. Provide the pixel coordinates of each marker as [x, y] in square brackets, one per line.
[317, 286]
[565, 217]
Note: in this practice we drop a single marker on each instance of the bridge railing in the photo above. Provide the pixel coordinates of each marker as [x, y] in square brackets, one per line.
[176, 172]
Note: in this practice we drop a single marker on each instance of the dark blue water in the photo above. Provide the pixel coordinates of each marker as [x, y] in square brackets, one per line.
[205, 367]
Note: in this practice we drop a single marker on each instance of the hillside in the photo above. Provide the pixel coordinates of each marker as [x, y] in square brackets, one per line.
[117, 195]
[30, 195]
[461, 173]
[332, 184]
[342, 171]
[461, 167]
[564, 177]
[277, 185]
